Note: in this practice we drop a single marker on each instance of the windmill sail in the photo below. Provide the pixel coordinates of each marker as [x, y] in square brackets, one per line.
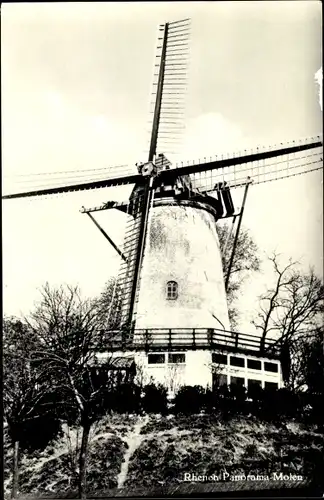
[172, 58]
[133, 249]
[260, 165]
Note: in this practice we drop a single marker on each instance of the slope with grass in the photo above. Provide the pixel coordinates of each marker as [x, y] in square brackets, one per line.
[169, 447]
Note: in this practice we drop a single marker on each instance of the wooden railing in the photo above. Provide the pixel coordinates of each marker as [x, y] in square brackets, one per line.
[171, 339]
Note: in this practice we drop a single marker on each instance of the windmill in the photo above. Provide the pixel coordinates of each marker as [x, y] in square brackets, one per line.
[172, 291]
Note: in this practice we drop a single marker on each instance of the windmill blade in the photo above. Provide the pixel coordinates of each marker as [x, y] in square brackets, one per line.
[271, 163]
[268, 170]
[114, 178]
[134, 249]
[169, 87]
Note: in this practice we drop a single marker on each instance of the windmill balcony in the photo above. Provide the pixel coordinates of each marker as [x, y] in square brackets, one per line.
[183, 339]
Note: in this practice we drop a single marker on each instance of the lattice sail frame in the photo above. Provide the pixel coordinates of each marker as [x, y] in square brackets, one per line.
[173, 48]
[268, 169]
[127, 272]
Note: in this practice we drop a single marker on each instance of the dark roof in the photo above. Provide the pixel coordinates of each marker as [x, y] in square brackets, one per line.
[121, 363]
[118, 363]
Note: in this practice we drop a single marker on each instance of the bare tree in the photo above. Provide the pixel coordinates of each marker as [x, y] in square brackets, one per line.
[174, 377]
[307, 366]
[313, 364]
[25, 390]
[70, 335]
[246, 261]
[291, 309]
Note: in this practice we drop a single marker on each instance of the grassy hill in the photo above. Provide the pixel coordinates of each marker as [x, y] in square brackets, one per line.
[154, 450]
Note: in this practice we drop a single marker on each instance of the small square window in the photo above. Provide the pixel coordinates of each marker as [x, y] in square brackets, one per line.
[156, 359]
[172, 290]
[219, 358]
[235, 361]
[254, 364]
[271, 367]
[177, 358]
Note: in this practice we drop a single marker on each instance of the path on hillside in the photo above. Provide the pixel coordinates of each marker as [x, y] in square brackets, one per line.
[133, 440]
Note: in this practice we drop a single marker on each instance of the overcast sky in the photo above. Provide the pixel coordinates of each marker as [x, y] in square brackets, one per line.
[76, 83]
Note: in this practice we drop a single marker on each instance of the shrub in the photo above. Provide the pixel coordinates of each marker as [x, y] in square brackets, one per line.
[311, 409]
[37, 433]
[189, 399]
[124, 399]
[277, 404]
[256, 396]
[155, 399]
[238, 394]
[211, 400]
[251, 451]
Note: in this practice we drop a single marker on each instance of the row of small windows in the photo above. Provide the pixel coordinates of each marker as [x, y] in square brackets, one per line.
[220, 379]
[158, 359]
[253, 364]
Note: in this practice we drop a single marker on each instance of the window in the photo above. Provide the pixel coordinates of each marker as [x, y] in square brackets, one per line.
[237, 381]
[219, 358]
[270, 385]
[270, 367]
[156, 359]
[254, 364]
[177, 358]
[234, 361]
[172, 290]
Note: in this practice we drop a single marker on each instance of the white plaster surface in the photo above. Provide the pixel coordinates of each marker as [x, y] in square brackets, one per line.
[182, 246]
